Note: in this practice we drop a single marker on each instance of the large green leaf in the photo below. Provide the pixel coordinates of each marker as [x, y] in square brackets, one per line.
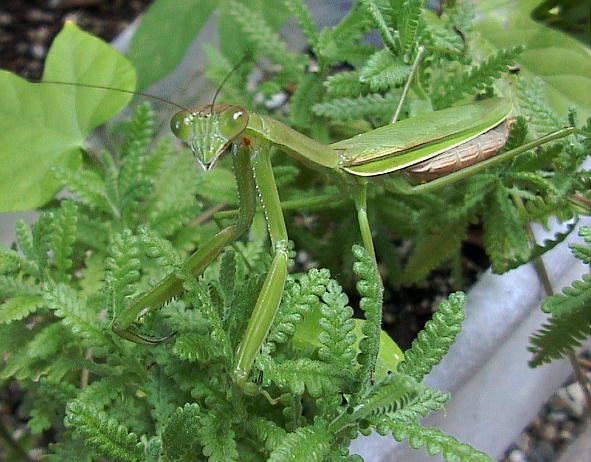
[166, 30]
[44, 125]
[563, 63]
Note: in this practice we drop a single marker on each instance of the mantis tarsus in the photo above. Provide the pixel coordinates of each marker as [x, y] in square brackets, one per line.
[441, 147]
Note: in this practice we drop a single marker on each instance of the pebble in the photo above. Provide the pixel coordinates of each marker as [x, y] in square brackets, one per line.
[559, 422]
[5, 19]
[517, 455]
[38, 51]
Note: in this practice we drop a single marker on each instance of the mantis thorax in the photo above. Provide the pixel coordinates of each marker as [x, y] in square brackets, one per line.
[209, 130]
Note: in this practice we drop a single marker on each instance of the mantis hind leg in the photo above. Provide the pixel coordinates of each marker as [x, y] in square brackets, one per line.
[172, 286]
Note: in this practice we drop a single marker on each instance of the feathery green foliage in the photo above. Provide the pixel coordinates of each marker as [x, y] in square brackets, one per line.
[435, 442]
[176, 402]
[435, 339]
[315, 384]
[108, 437]
[371, 290]
[570, 314]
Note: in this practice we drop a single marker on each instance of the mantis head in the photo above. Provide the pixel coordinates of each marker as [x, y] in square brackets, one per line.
[208, 130]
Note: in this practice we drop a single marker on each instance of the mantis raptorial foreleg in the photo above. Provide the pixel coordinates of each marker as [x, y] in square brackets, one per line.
[196, 264]
[270, 295]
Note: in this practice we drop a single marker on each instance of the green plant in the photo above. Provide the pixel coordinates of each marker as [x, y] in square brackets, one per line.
[570, 314]
[85, 256]
[323, 375]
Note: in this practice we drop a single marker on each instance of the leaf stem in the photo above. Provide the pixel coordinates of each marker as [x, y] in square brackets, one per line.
[413, 70]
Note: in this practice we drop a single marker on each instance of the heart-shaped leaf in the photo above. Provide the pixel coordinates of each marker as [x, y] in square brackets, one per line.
[563, 63]
[45, 125]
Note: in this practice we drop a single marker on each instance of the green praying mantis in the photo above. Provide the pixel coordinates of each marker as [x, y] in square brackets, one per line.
[411, 156]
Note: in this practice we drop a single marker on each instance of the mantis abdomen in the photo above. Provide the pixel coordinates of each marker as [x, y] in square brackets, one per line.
[466, 154]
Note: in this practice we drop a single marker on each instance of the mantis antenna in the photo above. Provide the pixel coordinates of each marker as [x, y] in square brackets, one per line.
[121, 90]
[225, 79]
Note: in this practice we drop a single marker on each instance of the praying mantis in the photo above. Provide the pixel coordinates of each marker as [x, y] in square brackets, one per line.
[442, 147]
[411, 156]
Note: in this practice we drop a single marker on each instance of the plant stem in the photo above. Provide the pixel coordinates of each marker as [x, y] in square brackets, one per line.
[413, 70]
[549, 290]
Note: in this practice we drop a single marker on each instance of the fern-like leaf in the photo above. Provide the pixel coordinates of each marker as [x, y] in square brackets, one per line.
[435, 442]
[13, 287]
[266, 431]
[583, 253]
[371, 290]
[195, 346]
[431, 250]
[422, 404]
[179, 434]
[505, 239]
[345, 84]
[11, 261]
[300, 11]
[337, 336]
[407, 27]
[62, 235]
[441, 39]
[101, 392]
[63, 300]
[434, 340]
[310, 443]
[380, 23]
[123, 265]
[105, 435]
[265, 39]
[383, 70]
[538, 250]
[356, 108]
[19, 307]
[218, 438]
[569, 325]
[132, 182]
[387, 396]
[88, 186]
[532, 102]
[478, 78]
[300, 375]
[298, 299]
[24, 240]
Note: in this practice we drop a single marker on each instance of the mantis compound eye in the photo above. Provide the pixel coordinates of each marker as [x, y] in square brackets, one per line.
[181, 125]
[233, 121]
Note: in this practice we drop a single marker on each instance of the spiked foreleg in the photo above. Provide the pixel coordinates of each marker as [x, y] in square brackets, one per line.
[270, 296]
[172, 286]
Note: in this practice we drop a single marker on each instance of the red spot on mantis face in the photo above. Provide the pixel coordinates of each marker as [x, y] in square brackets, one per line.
[246, 141]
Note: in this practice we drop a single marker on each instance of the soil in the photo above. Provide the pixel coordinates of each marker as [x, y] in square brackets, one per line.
[27, 27]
